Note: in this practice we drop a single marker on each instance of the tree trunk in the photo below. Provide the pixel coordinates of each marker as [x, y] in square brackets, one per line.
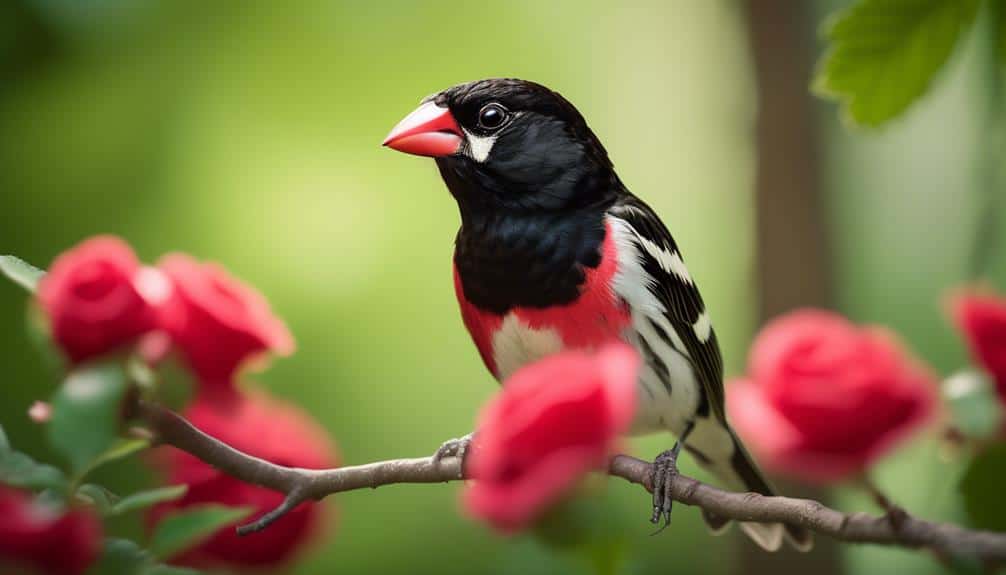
[793, 263]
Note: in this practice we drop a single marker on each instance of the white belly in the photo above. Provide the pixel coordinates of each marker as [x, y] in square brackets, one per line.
[662, 405]
[516, 344]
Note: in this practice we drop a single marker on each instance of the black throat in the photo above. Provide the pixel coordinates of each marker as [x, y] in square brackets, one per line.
[527, 252]
[522, 260]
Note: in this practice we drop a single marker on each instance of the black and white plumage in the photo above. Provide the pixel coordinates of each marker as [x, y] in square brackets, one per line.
[554, 253]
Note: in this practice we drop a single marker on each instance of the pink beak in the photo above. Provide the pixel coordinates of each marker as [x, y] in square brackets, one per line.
[428, 131]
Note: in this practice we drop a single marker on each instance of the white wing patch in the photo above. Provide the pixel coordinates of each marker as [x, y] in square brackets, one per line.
[703, 327]
[669, 261]
[658, 408]
[479, 146]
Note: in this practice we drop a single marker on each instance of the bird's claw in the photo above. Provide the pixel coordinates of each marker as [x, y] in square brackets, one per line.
[665, 468]
[457, 447]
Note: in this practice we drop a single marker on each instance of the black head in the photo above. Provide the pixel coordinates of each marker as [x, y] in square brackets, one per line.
[506, 144]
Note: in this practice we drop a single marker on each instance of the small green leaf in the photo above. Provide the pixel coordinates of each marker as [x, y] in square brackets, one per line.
[19, 470]
[982, 489]
[4, 442]
[183, 530]
[21, 272]
[101, 498]
[121, 557]
[86, 414]
[120, 449]
[144, 499]
[883, 54]
[124, 557]
[973, 403]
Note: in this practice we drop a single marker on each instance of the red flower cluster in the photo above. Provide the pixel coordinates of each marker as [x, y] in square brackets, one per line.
[99, 298]
[217, 321]
[35, 538]
[266, 428]
[981, 317]
[95, 299]
[553, 421]
[824, 399]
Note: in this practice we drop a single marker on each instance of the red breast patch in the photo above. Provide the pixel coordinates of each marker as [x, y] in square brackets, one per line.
[595, 317]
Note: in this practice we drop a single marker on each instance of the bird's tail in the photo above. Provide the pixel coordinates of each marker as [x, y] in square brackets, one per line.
[739, 472]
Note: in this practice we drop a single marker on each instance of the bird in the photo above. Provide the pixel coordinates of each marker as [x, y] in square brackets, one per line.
[555, 253]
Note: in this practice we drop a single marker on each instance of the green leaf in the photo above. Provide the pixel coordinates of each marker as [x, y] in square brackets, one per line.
[982, 489]
[21, 272]
[973, 403]
[144, 499]
[883, 54]
[101, 498]
[124, 557]
[19, 470]
[120, 557]
[183, 530]
[4, 442]
[86, 414]
[120, 449]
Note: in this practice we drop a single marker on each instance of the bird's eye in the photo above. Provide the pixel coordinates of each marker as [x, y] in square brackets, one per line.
[492, 116]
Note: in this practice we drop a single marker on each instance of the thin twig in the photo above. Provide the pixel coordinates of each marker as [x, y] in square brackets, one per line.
[302, 485]
[894, 512]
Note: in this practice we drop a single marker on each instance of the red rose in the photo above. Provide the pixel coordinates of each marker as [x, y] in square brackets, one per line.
[219, 322]
[982, 320]
[264, 427]
[552, 422]
[98, 298]
[824, 398]
[42, 539]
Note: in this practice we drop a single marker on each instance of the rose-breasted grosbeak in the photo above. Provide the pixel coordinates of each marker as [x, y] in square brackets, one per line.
[555, 253]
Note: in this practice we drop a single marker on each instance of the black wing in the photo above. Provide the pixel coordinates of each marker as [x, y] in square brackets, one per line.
[679, 296]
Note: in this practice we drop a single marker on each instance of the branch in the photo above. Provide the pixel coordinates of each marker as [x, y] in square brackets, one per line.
[302, 485]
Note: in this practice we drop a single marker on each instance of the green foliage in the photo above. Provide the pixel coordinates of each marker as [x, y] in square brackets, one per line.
[972, 401]
[109, 504]
[124, 557]
[982, 489]
[883, 54]
[148, 498]
[19, 470]
[183, 530]
[85, 416]
[100, 497]
[21, 272]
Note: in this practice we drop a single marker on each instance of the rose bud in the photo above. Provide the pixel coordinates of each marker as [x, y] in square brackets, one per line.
[96, 299]
[824, 399]
[981, 318]
[267, 428]
[552, 422]
[219, 322]
[38, 538]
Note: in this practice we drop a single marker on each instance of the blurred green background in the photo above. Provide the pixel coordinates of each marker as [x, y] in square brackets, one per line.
[248, 133]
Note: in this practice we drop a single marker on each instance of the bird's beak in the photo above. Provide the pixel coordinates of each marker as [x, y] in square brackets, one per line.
[428, 131]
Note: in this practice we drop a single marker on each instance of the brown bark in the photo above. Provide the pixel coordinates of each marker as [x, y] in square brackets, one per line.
[793, 260]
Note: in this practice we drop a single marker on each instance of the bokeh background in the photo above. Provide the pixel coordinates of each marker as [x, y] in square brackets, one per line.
[248, 133]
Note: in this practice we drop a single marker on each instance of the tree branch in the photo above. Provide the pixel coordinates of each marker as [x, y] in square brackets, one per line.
[302, 485]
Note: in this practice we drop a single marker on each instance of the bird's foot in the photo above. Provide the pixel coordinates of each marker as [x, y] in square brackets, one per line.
[457, 447]
[665, 468]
